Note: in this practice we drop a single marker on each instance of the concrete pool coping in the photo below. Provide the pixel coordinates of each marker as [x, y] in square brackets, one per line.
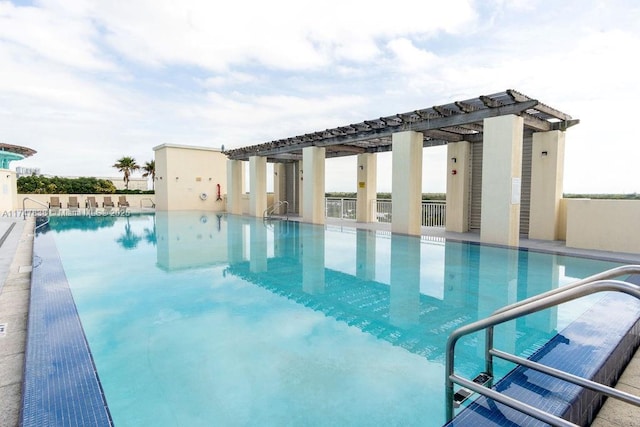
[15, 276]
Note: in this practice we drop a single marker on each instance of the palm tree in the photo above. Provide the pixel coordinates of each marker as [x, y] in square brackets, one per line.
[149, 169]
[126, 165]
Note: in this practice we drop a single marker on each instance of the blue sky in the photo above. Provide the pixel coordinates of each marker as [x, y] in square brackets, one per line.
[86, 82]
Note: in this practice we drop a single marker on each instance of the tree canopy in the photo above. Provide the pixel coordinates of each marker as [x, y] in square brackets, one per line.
[149, 169]
[38, 184]
[127, 165]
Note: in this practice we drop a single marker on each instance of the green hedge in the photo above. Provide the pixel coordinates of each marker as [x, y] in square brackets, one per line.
[57, 185]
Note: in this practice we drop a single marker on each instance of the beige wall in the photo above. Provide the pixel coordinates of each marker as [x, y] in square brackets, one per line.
[562, 220]
[458, 186]
[607, 225]
[366, 185]
[245, 203]
[547, 176]
[8, 191]
[184, 173]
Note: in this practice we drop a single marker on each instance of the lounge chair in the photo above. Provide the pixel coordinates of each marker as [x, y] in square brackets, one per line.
[73, 203]
[122, 202]
[54, 203]
[91, 203]
[108, 203]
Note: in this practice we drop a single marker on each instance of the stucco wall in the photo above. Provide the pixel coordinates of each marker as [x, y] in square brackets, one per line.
[8, 190]
[609, 225]
[187, 178]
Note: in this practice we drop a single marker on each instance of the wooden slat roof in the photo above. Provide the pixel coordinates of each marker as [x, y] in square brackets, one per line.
[453, 122]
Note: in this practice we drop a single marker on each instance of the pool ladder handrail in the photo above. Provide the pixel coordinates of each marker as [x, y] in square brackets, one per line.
[600, 282]
[24, 211]
[153, 204]
[276, 206]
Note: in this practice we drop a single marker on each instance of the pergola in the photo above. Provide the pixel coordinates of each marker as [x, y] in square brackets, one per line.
[439, 125]
[494, 182]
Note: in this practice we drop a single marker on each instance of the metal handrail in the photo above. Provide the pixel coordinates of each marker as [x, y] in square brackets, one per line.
[536, 304]
[604, 275]
[271, 209]
[153, 205]
[24, 211]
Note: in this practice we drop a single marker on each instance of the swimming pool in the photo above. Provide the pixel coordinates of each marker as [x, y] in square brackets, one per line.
[202, 319]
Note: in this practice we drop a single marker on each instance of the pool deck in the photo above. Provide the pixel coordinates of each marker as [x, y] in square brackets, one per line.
[16, 258]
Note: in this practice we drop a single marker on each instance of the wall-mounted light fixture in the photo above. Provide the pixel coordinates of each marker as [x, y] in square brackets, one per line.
[545, 153]
[361, 167]
[275, 173]
[454, 160]
[177, 178]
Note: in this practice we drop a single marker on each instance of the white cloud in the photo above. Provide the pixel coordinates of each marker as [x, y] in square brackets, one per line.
[282, 34]
[53, 36]
[102, 78]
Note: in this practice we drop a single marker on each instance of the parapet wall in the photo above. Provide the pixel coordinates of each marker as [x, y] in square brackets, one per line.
[607, 225]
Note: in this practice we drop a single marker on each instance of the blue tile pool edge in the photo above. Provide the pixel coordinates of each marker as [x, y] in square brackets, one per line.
[60, 382]
[614, 321]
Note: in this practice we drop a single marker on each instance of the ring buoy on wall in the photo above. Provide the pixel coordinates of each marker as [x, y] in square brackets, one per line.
[203, 196]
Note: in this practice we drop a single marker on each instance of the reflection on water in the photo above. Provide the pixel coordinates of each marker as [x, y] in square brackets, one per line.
[293, 259]
[230, 320]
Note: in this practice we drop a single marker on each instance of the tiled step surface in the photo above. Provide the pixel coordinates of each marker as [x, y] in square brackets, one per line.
[598, 346]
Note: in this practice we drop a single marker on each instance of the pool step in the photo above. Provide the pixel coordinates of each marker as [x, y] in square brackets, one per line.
[463, 394]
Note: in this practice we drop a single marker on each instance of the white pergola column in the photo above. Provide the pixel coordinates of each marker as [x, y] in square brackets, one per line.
[257, 185]
[406, 185]
[367, 189]
[547, 175]
[235, 185]
[279, 182]
[501, 180]
[313, 185]
[300, 188]
[458, 182]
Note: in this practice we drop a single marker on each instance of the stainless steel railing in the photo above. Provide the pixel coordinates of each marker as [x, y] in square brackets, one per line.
[24, 211]
[594, 284]
[276, 207]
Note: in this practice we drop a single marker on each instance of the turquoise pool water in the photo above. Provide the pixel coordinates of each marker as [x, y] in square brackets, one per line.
[197, 319]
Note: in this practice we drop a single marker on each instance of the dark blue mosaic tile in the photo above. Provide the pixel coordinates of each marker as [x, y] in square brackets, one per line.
[597, 346]
[61, 386]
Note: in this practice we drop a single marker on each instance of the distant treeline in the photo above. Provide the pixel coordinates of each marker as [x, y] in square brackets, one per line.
[38, 184]
[630, 196]
[347, 195]
[443, 196]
